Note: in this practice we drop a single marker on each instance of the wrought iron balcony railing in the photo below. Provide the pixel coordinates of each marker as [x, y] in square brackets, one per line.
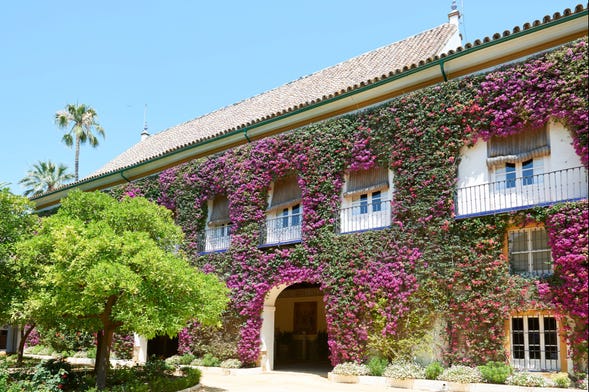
[215, 239]
[364, 216]
[522, 193]
[281, 230]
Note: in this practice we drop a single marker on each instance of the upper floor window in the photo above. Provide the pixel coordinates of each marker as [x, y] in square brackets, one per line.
[291, 216]
[537, 166]
[516, 160]
[529, 253]
[366, 200]
[367, 203]
[283, 223]
[218, 231]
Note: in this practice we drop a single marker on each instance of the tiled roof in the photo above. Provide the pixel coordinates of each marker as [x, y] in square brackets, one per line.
[327, 83]
[349, 75]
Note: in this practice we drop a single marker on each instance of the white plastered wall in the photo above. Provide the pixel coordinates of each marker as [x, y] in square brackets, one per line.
[473, 168]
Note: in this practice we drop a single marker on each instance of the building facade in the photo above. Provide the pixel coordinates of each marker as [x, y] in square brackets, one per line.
[440, 215]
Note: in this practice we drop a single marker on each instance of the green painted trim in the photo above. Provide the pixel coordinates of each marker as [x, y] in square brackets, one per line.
[439, 62]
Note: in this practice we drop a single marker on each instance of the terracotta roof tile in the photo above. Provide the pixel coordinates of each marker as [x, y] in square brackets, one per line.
[349, 75]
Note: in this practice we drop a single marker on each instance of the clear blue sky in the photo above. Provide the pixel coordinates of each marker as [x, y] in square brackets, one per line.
[185, 58]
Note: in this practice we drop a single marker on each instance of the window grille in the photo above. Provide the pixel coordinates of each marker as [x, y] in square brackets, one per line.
[529, 253]
[534, 343]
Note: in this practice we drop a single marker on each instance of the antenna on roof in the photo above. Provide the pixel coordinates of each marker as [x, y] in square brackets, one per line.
[144, 134]
[462, 20]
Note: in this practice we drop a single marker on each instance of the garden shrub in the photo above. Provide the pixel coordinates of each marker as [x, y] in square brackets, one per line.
[231, 363]
[91, 352]
[210, 360]
[3, 375]
[122, 346]
[582, 381]
[495, 372]
[525, 379]
[351, 369]
[461, 374]
[377, 366]
[403, 370]
[174, 360]
[178, 360]
[433, 370]
[561, 380]
[154, 367]
[52, 375]
[221, 341]
[197, 362]
[63, 340]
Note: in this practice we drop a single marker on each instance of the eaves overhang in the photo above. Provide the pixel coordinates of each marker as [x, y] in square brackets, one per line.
[473, 58]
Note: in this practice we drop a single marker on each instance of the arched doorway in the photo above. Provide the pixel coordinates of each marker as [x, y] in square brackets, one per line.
[162, 347]
[294, 329]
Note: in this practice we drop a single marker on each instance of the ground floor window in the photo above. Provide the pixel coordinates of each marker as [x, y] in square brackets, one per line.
[534, 343]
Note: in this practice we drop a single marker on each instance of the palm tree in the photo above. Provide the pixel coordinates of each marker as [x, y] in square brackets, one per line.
[83, 121]
[44, 177]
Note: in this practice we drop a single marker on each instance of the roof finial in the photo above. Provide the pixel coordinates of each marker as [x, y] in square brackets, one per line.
[454, 6]
[144, 134]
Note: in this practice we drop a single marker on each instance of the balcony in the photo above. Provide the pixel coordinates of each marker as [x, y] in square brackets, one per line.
[521, 193]
[215, 239]
[364, 216]
[281, 230]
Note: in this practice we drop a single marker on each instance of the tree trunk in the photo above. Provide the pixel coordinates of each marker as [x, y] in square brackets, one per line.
[77, 158]
[24, 335]
[99, 343]
[103, 356]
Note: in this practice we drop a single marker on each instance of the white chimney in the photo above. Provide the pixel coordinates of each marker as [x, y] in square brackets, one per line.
[454, 14]
[144, 134]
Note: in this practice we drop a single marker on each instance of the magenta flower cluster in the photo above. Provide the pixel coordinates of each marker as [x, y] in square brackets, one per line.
[567, 230]
[457, 267]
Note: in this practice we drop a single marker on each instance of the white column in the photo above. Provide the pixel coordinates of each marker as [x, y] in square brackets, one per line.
[139, 349]
[267, 337]
[12, 339]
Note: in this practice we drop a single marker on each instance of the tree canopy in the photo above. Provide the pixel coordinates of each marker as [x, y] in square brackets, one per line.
[16, 221]
[112, 265]
[81, 125]
[45, 176]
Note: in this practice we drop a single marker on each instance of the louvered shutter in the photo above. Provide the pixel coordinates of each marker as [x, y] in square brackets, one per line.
[365, 181]
[286, 192]
[220, 211]
[528, 144]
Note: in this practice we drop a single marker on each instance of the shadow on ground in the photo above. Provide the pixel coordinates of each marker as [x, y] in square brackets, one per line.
[319, 368]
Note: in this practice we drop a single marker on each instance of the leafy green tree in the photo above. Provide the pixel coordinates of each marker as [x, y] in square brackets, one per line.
[81, 125]
[112, 266]
[44, 177]
[17, 222]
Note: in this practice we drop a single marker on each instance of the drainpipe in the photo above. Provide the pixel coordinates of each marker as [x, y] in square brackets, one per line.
[246, 136]
[443, 71]
[124, 178]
